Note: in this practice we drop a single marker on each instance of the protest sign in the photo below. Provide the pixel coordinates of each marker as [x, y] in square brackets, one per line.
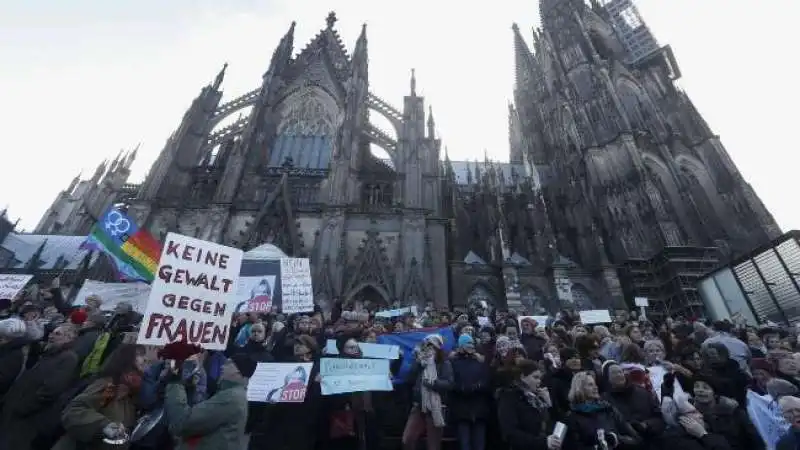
[284, 284]
[595, 316]
[112, 294]
[766, 415]
[343, 375]
[376, 351]
[11, 285]
[192, 295]
[388, 314]
[279, 383]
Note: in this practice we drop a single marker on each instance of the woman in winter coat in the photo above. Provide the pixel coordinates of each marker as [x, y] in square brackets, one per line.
[685, 428]
[106, 409]
[214, 424]
[351, 416]
[592, 422]
[293, 426]
[636, 404]
[469, 398]
[722, 415]
[523, 409]
[431, 377]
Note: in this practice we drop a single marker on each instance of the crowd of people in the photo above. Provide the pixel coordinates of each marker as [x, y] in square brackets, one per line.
[73, 378]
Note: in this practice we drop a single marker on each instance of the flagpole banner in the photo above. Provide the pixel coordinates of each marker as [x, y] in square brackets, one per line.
[112, 294]
[133, 250]
[11, 285]
[282, 284]
[193, 295]
[407, 341]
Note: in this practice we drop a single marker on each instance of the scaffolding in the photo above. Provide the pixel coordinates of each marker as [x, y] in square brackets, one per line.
[669, 280]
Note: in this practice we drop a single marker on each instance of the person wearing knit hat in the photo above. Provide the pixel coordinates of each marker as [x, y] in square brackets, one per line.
[78, 317]
[218, 422]
[763, 370]
[466, 342]
[433, 376]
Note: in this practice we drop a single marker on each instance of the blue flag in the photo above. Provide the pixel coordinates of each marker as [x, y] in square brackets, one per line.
[408, 340]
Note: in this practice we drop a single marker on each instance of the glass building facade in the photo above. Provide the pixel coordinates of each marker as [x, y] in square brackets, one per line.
[761, 286]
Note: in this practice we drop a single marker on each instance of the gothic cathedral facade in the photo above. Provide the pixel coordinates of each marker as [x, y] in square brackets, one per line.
[608, 161]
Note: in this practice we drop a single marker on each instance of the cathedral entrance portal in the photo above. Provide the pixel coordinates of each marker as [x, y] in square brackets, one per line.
[368, 296]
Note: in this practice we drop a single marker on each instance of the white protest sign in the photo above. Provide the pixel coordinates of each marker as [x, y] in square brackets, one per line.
[11, 285]
[595, 316]
[343, 375]
[297, 294]
[193, 294]
[112, 294]
[388, 314]
[279, 383]
[641, 302]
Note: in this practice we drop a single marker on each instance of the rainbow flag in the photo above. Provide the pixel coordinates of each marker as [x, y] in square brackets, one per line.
[133, 250]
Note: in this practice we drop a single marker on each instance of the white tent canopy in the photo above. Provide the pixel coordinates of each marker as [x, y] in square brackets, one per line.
[264, 252]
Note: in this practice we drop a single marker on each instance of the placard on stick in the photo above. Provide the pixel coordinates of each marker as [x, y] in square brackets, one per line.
[193, 294]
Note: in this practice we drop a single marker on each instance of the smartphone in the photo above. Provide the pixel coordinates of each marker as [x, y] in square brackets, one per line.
[560, 431]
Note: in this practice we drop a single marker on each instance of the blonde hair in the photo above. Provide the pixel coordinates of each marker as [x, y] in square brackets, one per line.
[578, 391]
[654, 343]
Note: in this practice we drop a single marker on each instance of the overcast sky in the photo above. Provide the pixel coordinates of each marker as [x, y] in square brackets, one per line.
[81, 80]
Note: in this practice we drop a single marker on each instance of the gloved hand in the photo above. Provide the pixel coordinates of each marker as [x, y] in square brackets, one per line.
[113, 430]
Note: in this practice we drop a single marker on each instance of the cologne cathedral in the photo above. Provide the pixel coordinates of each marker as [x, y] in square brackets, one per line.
[615, 186]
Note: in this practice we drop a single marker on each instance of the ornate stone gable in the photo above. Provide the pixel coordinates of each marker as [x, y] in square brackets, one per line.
[370, 268]
[414, 292]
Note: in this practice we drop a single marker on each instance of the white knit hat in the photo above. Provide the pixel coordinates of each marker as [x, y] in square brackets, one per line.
[12, 328]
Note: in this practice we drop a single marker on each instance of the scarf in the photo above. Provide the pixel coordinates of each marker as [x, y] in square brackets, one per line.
[534, 400]
[431, 401]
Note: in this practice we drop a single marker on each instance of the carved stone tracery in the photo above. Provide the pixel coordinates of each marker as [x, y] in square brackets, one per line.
[371, 267]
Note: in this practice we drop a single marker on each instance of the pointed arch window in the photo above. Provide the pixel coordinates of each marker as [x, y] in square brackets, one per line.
[310, 112]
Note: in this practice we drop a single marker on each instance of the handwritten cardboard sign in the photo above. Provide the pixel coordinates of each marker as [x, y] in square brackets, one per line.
[343, 375]
[193, 294]
[11, 285]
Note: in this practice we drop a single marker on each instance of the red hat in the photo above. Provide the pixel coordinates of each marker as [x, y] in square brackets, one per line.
[179, 351]
[78, 316]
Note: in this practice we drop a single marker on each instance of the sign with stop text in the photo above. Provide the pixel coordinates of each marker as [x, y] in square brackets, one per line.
[279, 383]
[193, 294]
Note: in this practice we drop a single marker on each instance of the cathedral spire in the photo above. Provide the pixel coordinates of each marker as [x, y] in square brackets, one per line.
[522, 59]
[331, 19]
[283, 52]
[431, 124]
[360, 57]
[220, 77]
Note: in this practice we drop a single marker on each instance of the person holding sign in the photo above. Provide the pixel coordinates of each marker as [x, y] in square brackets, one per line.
[217, 423]
[351, 416]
